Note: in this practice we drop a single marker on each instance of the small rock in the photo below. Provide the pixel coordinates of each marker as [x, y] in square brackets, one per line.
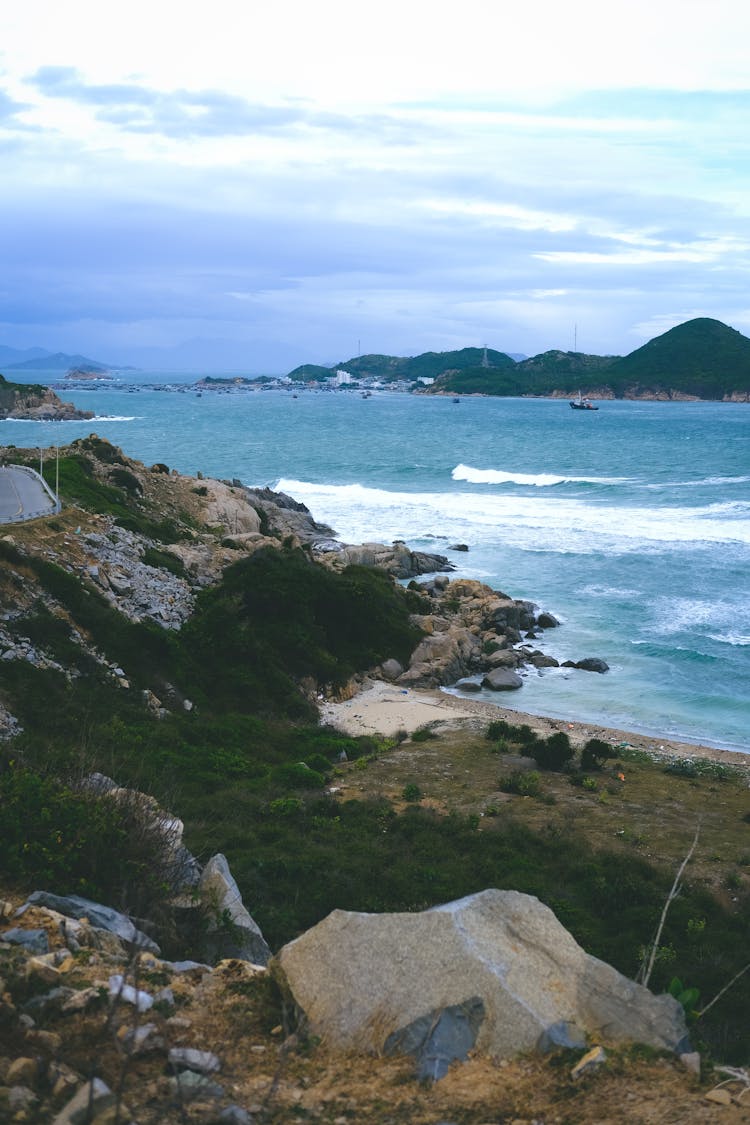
[46, 1040]
[691, 1060]
[190, 1058]
[590, 1061]
[42, 970]
[129, 995]
[95, 1094]
[190, 1085]
[720, 1096]
[141, 1040]
[235, 1115]
[62, 1079]
[33, 941]
[22, 1072]
[21, 1099]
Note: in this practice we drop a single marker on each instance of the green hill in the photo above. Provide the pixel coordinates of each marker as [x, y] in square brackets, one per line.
[702, 358]
[428, 365]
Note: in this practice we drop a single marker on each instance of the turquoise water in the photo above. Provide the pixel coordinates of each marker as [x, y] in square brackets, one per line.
[630, 524]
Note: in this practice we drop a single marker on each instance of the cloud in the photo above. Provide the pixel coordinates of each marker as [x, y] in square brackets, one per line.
[187, 114]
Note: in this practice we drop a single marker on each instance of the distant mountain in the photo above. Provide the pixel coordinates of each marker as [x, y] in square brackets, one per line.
[10, 356]
[57, 361]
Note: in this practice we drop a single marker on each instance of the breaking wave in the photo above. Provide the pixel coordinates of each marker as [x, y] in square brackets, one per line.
[537, 480]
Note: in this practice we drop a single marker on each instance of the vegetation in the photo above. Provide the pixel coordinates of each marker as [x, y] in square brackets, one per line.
[248, 769]
[10, 392]
[702, 358]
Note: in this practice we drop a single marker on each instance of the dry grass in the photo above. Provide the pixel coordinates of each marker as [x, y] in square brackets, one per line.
[651, 813]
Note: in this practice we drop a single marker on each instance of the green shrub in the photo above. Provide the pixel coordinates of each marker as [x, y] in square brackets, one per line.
[525, 736]
[423, 734]
[594, 753]
[164, 560]
[497, 729]
[297, 775]
[411, 792]
[127, 481]
[524, 783]
[74, 842]
[553, 753]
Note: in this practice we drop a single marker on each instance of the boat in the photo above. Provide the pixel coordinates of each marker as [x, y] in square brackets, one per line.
[582, 403]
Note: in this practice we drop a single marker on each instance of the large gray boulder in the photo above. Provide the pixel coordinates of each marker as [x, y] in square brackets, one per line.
[365, 980]
[502, 679]
[232, 931]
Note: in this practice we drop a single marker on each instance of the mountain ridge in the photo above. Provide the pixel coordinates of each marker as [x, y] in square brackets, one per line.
[699, 359]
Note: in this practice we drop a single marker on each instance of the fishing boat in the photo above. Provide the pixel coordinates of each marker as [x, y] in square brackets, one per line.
[582, 403]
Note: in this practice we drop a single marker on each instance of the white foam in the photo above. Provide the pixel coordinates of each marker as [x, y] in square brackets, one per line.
[731, 638]
[537, 480]
[532, 523]
[697, 483]
[75, 421]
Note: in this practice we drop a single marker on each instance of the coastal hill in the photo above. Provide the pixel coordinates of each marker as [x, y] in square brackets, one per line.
[36, 402]
[391, 369]
[177, 635]
[700, 359]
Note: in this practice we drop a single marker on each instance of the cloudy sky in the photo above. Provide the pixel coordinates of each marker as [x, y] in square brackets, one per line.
[252, 185]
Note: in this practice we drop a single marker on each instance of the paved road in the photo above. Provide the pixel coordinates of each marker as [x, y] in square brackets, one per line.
[23, 495]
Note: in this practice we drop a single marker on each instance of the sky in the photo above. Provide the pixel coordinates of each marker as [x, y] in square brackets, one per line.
[251, 186]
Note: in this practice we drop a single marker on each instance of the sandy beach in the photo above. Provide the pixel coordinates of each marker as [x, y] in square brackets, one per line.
[384, 709]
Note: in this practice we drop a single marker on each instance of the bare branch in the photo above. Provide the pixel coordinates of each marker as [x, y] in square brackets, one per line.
[645, 972]
[726, 988]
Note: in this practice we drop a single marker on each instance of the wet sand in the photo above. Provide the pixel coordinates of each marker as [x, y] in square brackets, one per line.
[384, 709]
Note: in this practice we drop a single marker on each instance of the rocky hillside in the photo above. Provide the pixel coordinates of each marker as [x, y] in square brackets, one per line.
[35, 402]
[165, 644]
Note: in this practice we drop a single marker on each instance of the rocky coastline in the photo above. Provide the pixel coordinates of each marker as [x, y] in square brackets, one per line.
[459, 1011]
[37, 404]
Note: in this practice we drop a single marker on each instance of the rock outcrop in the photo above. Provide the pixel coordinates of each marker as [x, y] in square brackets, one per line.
[231, 931]
[36, 403]
[363, 979]
[396, 559]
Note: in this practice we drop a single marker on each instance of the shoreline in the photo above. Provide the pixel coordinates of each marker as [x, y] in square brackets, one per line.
[383, 709]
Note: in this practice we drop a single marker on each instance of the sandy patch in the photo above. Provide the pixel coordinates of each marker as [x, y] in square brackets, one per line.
[384, 709]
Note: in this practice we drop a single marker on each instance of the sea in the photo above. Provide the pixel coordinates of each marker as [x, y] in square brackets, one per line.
[631, 523]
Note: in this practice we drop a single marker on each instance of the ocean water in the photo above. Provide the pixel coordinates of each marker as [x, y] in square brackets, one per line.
[631, 524]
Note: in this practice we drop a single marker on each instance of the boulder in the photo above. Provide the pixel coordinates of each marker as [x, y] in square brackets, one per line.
[391, 669]
[588, 664]
[232, 932]
[501, 957]
[502, 679]
[100, 916]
